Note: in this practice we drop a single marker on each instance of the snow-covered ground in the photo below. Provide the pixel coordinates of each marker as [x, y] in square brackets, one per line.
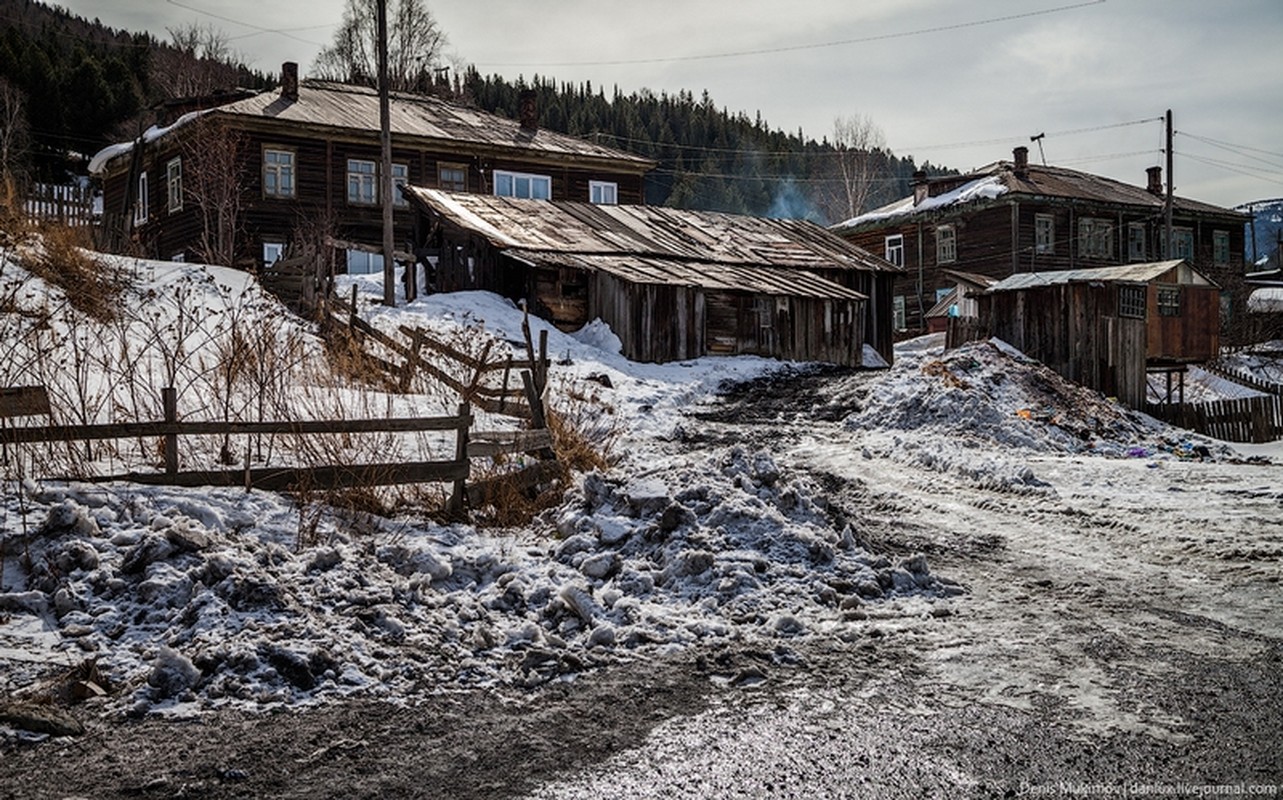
[193, 599]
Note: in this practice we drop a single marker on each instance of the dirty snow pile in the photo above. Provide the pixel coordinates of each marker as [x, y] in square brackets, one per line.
[954, 410]
[188, 600]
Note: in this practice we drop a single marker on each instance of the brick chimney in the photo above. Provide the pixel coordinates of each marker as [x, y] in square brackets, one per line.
[289, 81]
[1155, 183]
[528, 110]
[1020, 160]
[921, 191]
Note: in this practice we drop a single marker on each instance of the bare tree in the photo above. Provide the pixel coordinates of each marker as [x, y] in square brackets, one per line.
[215, 176]
[198, 61]
[14, 137]
[416, 46]
[860, 164]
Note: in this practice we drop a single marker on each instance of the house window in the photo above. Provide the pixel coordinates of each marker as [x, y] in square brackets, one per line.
[1131, 301]
[522, 185]
[603, 193]
[898, 318]
[278, 173]
[272, 252]
[895, 250]
[1169, 301]
[452, 177]
[946, 245]
[1136, 241]
[362, 182]
[400, 177]
[1095, 238]
[174, 184]
[140, 204]
[1184, 240]
[1221, 247]
[1044, 233]
[362, 262]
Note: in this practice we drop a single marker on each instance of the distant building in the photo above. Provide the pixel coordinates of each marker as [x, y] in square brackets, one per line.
[671, 284]
[307, 157]
[1014, 217]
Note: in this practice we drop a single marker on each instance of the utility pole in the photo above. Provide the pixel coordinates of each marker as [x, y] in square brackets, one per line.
[385, 168]
[1167, 205]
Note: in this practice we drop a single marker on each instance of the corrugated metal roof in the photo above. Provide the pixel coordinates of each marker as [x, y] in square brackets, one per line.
[1126, 273]
[705, 274]
[651, 231]
[1000, 181]
[356, 108]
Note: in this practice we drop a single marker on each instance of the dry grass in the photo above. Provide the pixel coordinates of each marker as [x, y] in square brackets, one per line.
[91, 287]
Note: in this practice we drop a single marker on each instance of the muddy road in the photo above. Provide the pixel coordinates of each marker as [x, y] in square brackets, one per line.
[1121, 631]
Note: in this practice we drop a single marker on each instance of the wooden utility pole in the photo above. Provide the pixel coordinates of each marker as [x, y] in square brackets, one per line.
[385, 168]
[1167, 205]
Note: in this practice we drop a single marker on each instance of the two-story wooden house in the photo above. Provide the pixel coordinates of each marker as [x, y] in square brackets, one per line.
[1014, 217]
[308, 156]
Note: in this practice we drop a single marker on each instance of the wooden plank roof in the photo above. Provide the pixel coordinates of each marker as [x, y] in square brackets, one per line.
[648, 232]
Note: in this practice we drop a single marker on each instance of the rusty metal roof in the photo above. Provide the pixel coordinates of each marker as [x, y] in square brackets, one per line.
[342, 107]
[648, 232]
[779, 281]
[1127, 273]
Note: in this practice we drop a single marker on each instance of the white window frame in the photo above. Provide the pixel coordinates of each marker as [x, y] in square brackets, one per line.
[1095, 238]
[362, 182]
[364, 262]
[272, 252]
[140, 202]
[1044, 234]
[894, 249]
[278, 173]
[1136, 249]
[899, 317]
[174, 184]
[1221, 248]
[946, 244]
[522, 185]
[400, 177]
[603, 193]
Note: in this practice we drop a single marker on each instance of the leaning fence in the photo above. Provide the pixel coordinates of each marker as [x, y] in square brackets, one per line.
[1257, 419]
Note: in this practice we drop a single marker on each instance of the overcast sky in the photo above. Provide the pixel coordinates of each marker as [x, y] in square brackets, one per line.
[950, 82]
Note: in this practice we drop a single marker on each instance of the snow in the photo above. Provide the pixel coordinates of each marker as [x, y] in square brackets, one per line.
[986, 188]
[192, 599]
[98, 164]
[1266, 300]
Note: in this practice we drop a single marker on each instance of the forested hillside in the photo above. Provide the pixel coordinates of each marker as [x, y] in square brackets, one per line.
[710, 158]
[69, 86]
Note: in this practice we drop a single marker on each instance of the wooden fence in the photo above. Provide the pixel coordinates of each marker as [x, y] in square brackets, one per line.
[70, 204]
[1250, 381]
[1256, 419]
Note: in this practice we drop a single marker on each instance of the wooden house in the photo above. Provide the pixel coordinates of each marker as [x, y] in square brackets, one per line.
[1014, 217]
[671, 284]
[959, 302]
[247, 177]
[1107, 328]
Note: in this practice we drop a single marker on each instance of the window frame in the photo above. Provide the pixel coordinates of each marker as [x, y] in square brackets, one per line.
[1221, 248]
[946, 244]
[1168, 299]
[893, 248]
[1045, 224]
[515, 179]
[1095, 238]
[603, 187]
[362, 183]
[452, 185]
[899, 313]
[403, 179]
[287, 169]
[1183, 242]
[368, 256]
[174, 184]
[141, 209]
[1133, 240]
[1133, 300]
[278, 247]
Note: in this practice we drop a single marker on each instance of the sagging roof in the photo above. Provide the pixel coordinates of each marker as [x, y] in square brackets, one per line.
[648, 232]
[1126, 273]
[1000, 180]
[356, 108]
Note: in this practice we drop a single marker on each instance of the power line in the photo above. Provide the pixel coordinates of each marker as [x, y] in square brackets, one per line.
[794, 48]
[1229, 148]
[257, 28]
[1239, 168]
[1210, 140]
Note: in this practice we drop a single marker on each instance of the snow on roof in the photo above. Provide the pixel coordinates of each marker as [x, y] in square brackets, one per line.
[986, 188]
[1139, 273]
[1266, 300]
[98, 164]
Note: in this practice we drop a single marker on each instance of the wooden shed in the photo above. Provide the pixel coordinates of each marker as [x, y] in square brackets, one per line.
[671, 284]
[1105, 327]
